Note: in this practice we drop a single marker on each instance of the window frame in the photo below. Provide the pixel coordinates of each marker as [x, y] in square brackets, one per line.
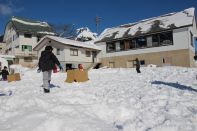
[73, 52]
[88, 53]
[25, 47]
[113, 44]
[58, 51]
[133, 44]
[27, 35]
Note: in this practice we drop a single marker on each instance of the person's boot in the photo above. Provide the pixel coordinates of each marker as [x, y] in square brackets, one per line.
[46, 90]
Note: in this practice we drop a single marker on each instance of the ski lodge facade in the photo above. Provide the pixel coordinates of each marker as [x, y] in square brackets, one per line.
[165, 40]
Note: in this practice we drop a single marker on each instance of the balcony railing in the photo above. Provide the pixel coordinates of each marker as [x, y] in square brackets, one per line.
[25, 53]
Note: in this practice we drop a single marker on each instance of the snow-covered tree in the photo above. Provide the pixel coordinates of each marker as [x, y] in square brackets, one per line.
[85, 34]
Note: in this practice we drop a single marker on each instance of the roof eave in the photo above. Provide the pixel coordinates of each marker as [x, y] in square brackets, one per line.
[122, 38]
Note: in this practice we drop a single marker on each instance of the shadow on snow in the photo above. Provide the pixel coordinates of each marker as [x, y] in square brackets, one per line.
[175, 85]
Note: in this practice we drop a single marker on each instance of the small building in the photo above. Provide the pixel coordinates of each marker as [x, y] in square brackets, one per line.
[164, 40]
[21, 36]
[70, 52]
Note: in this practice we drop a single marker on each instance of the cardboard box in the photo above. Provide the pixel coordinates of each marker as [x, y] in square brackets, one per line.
[77, 76]
[14, 77]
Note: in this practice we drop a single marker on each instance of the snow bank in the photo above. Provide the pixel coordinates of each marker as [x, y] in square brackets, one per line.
[3, 62]
[158, 99]
[152, 65]
[18, 69]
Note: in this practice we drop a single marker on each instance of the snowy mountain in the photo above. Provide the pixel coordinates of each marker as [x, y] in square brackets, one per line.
[85, 34]
[158, 99]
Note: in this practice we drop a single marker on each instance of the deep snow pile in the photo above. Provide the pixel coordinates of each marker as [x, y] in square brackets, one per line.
[158, 99]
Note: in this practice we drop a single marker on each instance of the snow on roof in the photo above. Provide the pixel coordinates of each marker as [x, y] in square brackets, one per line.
[36, 23]
[164, 22]
[30, 26]
[46, 32]
[85, 33]
[88, 44]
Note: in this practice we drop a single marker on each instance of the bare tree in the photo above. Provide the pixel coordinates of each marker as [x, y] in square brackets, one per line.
[64, 30]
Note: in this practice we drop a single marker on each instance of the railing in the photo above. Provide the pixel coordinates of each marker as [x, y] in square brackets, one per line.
[25, 53]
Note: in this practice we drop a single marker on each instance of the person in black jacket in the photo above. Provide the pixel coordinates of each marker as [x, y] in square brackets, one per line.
[4, 73]
[137, 65]
[46, 64]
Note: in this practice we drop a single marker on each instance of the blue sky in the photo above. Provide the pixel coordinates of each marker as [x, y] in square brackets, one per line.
[82, 13]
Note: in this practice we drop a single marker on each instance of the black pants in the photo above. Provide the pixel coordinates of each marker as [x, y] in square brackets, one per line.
[138, 70]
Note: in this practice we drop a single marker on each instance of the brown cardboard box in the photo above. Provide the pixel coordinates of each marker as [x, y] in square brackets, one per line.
[14, 77]
[77, 76]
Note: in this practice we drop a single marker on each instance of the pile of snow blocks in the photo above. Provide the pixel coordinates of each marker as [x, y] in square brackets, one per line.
[76, 76]
[14, 77]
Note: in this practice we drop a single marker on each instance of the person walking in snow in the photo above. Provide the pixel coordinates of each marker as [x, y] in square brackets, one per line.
[137, 64]
[4, 73]
[46, 64]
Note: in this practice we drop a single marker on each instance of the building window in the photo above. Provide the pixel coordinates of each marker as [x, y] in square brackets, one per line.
[141, 42]
[26, 48]
[88, 53]
[132, 44]
[27, 35]
[111, 47]
[163, 61]
[166, 38]
[192, 39]
[73, 52]
[142, 62]
[155, 40]
[120, 45]
[28, 59]
[58, 51]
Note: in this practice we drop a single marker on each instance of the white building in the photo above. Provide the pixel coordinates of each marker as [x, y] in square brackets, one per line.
[164, 40]
[21, 36]
[70, 53]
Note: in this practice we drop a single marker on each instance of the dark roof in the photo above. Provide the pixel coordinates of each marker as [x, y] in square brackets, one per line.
[30, 26]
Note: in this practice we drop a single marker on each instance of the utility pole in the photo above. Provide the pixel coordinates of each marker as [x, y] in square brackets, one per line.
[97, 20]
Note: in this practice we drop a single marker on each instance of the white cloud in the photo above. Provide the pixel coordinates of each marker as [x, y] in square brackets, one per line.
[8, 9]
[5, 9]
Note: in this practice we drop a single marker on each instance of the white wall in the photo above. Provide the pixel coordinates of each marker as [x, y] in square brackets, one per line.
[81, 55]
[28, 41]
[65, 53]
[180, 41]
[8, 38]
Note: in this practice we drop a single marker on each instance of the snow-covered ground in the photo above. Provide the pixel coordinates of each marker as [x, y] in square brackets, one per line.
[158, 99]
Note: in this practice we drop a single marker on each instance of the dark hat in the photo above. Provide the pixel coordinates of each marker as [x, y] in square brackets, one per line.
[48, 47]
